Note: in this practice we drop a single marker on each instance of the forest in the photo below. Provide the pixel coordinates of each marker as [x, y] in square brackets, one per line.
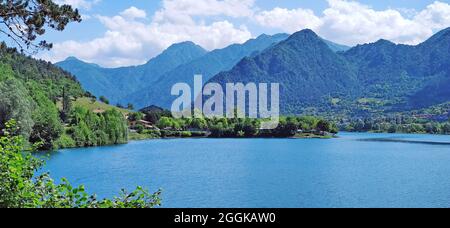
[29, 92]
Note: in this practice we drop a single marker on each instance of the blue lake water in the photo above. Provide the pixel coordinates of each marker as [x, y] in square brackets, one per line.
[350, 171]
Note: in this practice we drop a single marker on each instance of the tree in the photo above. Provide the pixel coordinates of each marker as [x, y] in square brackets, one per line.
[137, 116]
[66, 105]
[20, 188]
[324, 126]
[446, 128]
[165, 122]
[130, 106]
[23, 21]
[48, 127]
[104, 99]
[17, 104]
[91, 129]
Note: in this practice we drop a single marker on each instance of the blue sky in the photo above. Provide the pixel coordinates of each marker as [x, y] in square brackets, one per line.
[121, 33]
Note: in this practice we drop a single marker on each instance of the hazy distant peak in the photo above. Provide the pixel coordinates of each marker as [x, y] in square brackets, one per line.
[384, 42]
[72, 58]
[186, 45]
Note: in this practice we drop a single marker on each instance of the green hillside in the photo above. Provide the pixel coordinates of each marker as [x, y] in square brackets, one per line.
[29, 92]
[367, 80]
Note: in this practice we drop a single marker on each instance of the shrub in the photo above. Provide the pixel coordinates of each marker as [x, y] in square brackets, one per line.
[65, 141]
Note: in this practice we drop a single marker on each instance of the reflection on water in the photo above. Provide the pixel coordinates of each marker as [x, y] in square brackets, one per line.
[400, 140]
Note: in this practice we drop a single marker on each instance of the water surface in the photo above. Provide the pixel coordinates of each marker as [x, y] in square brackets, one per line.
[352, 171]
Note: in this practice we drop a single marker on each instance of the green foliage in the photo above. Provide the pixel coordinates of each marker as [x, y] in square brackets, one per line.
[243, 128]
[137, 116]
[166, 122]
[139, 128]
[18, 188]
[153, 114]
[398, 124]
[23, 21]
[104, 99]
[15, 103]
[29, 92]
[29, 89]
[65, 141]
[66, 106]
[130, 106]
[90, 129]
[48, 126]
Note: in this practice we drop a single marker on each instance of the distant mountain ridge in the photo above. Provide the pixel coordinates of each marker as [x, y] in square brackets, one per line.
[115, 83]
[307, 69]
[365, 80]
[207, 65]
[143, 85]
[317, 76]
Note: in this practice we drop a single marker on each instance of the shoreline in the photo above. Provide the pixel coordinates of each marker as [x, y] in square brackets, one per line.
[308, 136]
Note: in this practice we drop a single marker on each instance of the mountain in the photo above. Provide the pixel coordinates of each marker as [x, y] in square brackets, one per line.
[336, 47]
[207, 65]
[409, 77]
[143, 85]
[317, 76]
[364, 80]
[115, 83]
[308, 70]
[434, 61]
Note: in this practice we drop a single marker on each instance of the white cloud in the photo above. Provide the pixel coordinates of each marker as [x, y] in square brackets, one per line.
[133, 12]
[231, 8]
[289, 20]
[84, 4]
[131, 39]
[350, 22]
[435, 16]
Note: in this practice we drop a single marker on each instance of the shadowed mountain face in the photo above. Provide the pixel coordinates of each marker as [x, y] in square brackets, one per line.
[366, 79]
[116, 83]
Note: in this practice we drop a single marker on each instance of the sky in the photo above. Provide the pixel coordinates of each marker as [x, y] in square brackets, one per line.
[117, 33]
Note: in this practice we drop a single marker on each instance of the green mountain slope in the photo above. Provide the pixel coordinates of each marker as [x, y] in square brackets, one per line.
[409, 77]
[308, 70]
[366, 80]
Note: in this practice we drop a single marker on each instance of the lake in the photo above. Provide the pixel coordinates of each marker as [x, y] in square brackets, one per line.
[354, 170]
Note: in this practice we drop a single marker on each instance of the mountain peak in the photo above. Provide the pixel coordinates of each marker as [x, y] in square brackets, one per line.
[186, 45]
[305, 36]
[72, 58]
[306, 32]
[184, 51]
[305, 39]
[384, 42]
